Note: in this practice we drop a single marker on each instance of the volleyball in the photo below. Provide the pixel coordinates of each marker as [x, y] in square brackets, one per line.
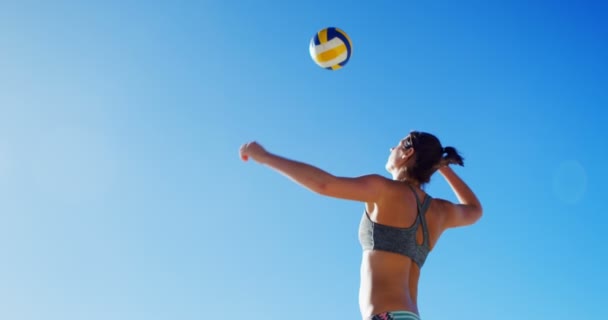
[331, 48]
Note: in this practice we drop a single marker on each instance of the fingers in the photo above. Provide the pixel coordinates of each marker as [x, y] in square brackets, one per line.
[243, 152]
[247, 149]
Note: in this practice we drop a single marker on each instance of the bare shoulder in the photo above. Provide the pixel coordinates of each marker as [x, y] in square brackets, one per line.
[442, 204]
[438, 210]
[366, 188]
[378, 177]
[452, 215]
[371, 181]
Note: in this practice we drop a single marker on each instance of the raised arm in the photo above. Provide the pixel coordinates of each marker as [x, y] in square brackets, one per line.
[367, 188]
[469, 210]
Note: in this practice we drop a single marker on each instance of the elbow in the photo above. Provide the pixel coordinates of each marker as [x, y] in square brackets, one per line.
[323, 186]
[478, 212]
[320, 188]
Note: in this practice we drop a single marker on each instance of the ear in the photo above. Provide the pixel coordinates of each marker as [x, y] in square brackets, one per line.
[406, 156]
[409, 152]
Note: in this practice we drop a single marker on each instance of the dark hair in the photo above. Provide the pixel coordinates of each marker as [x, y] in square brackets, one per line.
[429, 156]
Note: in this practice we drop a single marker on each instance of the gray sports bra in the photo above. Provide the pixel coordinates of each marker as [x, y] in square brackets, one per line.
[375, 236]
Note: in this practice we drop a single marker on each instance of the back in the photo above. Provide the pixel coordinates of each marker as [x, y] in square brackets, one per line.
[389, 280]
[377, 236]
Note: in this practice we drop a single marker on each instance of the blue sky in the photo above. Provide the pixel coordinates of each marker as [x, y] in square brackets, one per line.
[122, 195]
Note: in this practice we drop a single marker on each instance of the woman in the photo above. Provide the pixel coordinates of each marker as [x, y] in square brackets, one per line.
[401, 223]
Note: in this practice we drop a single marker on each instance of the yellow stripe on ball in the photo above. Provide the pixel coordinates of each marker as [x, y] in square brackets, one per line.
[323, 36]
[331, 53]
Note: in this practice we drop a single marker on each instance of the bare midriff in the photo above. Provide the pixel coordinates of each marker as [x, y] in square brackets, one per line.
[389, 282]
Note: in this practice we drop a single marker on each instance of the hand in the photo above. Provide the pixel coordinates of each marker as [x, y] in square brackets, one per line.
[444, 164]
[253, 150]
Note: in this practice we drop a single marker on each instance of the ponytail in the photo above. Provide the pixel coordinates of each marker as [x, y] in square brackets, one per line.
[452, 156]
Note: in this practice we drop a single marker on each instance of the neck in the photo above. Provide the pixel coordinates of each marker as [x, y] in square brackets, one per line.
[398, 174]
[401, 175]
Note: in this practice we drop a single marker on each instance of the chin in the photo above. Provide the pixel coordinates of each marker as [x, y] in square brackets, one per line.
[388, 168]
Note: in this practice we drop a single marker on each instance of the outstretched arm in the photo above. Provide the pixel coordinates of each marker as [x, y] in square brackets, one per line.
[469, 210]
[365, 188]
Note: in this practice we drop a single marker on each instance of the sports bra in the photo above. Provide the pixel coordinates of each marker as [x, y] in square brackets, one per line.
[376, 236]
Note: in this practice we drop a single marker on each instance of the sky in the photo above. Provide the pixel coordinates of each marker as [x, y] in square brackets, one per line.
[122, 195]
